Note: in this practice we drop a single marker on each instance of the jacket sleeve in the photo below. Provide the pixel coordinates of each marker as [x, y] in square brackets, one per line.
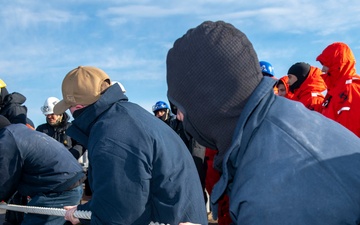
[77, 150]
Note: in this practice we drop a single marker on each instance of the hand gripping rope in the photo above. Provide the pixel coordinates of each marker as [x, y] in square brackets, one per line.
[45, 211]
[52, 211]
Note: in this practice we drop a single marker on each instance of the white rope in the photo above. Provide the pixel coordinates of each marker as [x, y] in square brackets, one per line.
[81, 214]
[156, 223]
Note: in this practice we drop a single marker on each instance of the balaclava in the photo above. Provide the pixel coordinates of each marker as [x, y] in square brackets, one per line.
[211, 72]
[301, 71]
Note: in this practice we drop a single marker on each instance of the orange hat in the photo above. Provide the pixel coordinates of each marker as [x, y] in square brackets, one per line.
[81, 86]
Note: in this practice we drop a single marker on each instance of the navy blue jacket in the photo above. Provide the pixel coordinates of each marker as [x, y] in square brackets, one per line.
[289, 165]
[139, 168]
[32, 163]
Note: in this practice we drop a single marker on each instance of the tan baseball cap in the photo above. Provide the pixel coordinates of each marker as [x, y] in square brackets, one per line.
[81, 86]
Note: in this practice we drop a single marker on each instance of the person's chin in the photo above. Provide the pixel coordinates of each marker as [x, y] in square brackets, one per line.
[52, 123]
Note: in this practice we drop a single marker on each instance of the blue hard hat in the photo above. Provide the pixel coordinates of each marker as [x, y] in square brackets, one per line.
[267, 69]
[160, 105]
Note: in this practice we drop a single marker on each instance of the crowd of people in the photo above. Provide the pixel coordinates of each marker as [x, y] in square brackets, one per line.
[266, 150]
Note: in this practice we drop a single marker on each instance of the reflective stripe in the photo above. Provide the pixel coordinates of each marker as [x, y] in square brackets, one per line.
[314, 94]
[348, 81]
[343, 109]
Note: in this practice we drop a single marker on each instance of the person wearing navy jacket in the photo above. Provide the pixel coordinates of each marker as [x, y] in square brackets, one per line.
[281, 163]
[139, 168]
[38, 166]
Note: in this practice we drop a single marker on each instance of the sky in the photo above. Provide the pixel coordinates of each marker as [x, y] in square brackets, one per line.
[41, 41]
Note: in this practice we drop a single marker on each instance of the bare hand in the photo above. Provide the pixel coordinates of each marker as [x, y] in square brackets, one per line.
[69, 215]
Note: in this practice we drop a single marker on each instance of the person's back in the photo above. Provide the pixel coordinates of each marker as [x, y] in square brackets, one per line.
[305, 170]
[41, 163]
[342, 101]
[13, 108]
[37, 165]
[140, 170]
[129, 140]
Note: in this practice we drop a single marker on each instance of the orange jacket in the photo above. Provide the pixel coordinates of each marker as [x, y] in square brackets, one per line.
[310, 91]
[342, 102]
[284, 80]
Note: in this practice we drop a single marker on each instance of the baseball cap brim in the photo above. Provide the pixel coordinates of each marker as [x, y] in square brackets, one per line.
[61, 107]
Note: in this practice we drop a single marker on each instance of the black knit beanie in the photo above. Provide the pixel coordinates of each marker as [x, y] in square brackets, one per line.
[4, 121]
[211, 72]
[301, 71]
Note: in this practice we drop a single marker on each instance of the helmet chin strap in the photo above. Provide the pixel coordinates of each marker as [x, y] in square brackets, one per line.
[165, 116]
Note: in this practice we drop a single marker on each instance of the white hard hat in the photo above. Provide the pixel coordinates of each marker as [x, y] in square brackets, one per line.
[120, 84]
[48, 107]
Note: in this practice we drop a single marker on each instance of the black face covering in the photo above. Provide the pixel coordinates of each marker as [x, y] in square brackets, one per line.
[191, 129]
[301, 71]
[211, 72]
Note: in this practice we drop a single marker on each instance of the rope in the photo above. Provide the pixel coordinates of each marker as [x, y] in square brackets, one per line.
[52, 211]
[156, 223]
[45, 211]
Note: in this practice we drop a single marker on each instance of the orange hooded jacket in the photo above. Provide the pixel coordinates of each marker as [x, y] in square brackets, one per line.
[342, 102]
[284, 80]
[310, 91]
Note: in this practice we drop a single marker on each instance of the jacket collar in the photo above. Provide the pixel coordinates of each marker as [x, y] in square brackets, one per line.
[82, 124]
[253, 114]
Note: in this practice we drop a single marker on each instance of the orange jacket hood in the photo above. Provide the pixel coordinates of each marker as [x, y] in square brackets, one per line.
[284, 80]
[340, 60]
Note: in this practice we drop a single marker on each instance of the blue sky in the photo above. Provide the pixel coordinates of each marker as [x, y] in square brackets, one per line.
[41, 41]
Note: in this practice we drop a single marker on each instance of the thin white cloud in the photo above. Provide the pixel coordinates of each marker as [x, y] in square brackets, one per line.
[145, 11]
[278, 16]
[21, 17]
